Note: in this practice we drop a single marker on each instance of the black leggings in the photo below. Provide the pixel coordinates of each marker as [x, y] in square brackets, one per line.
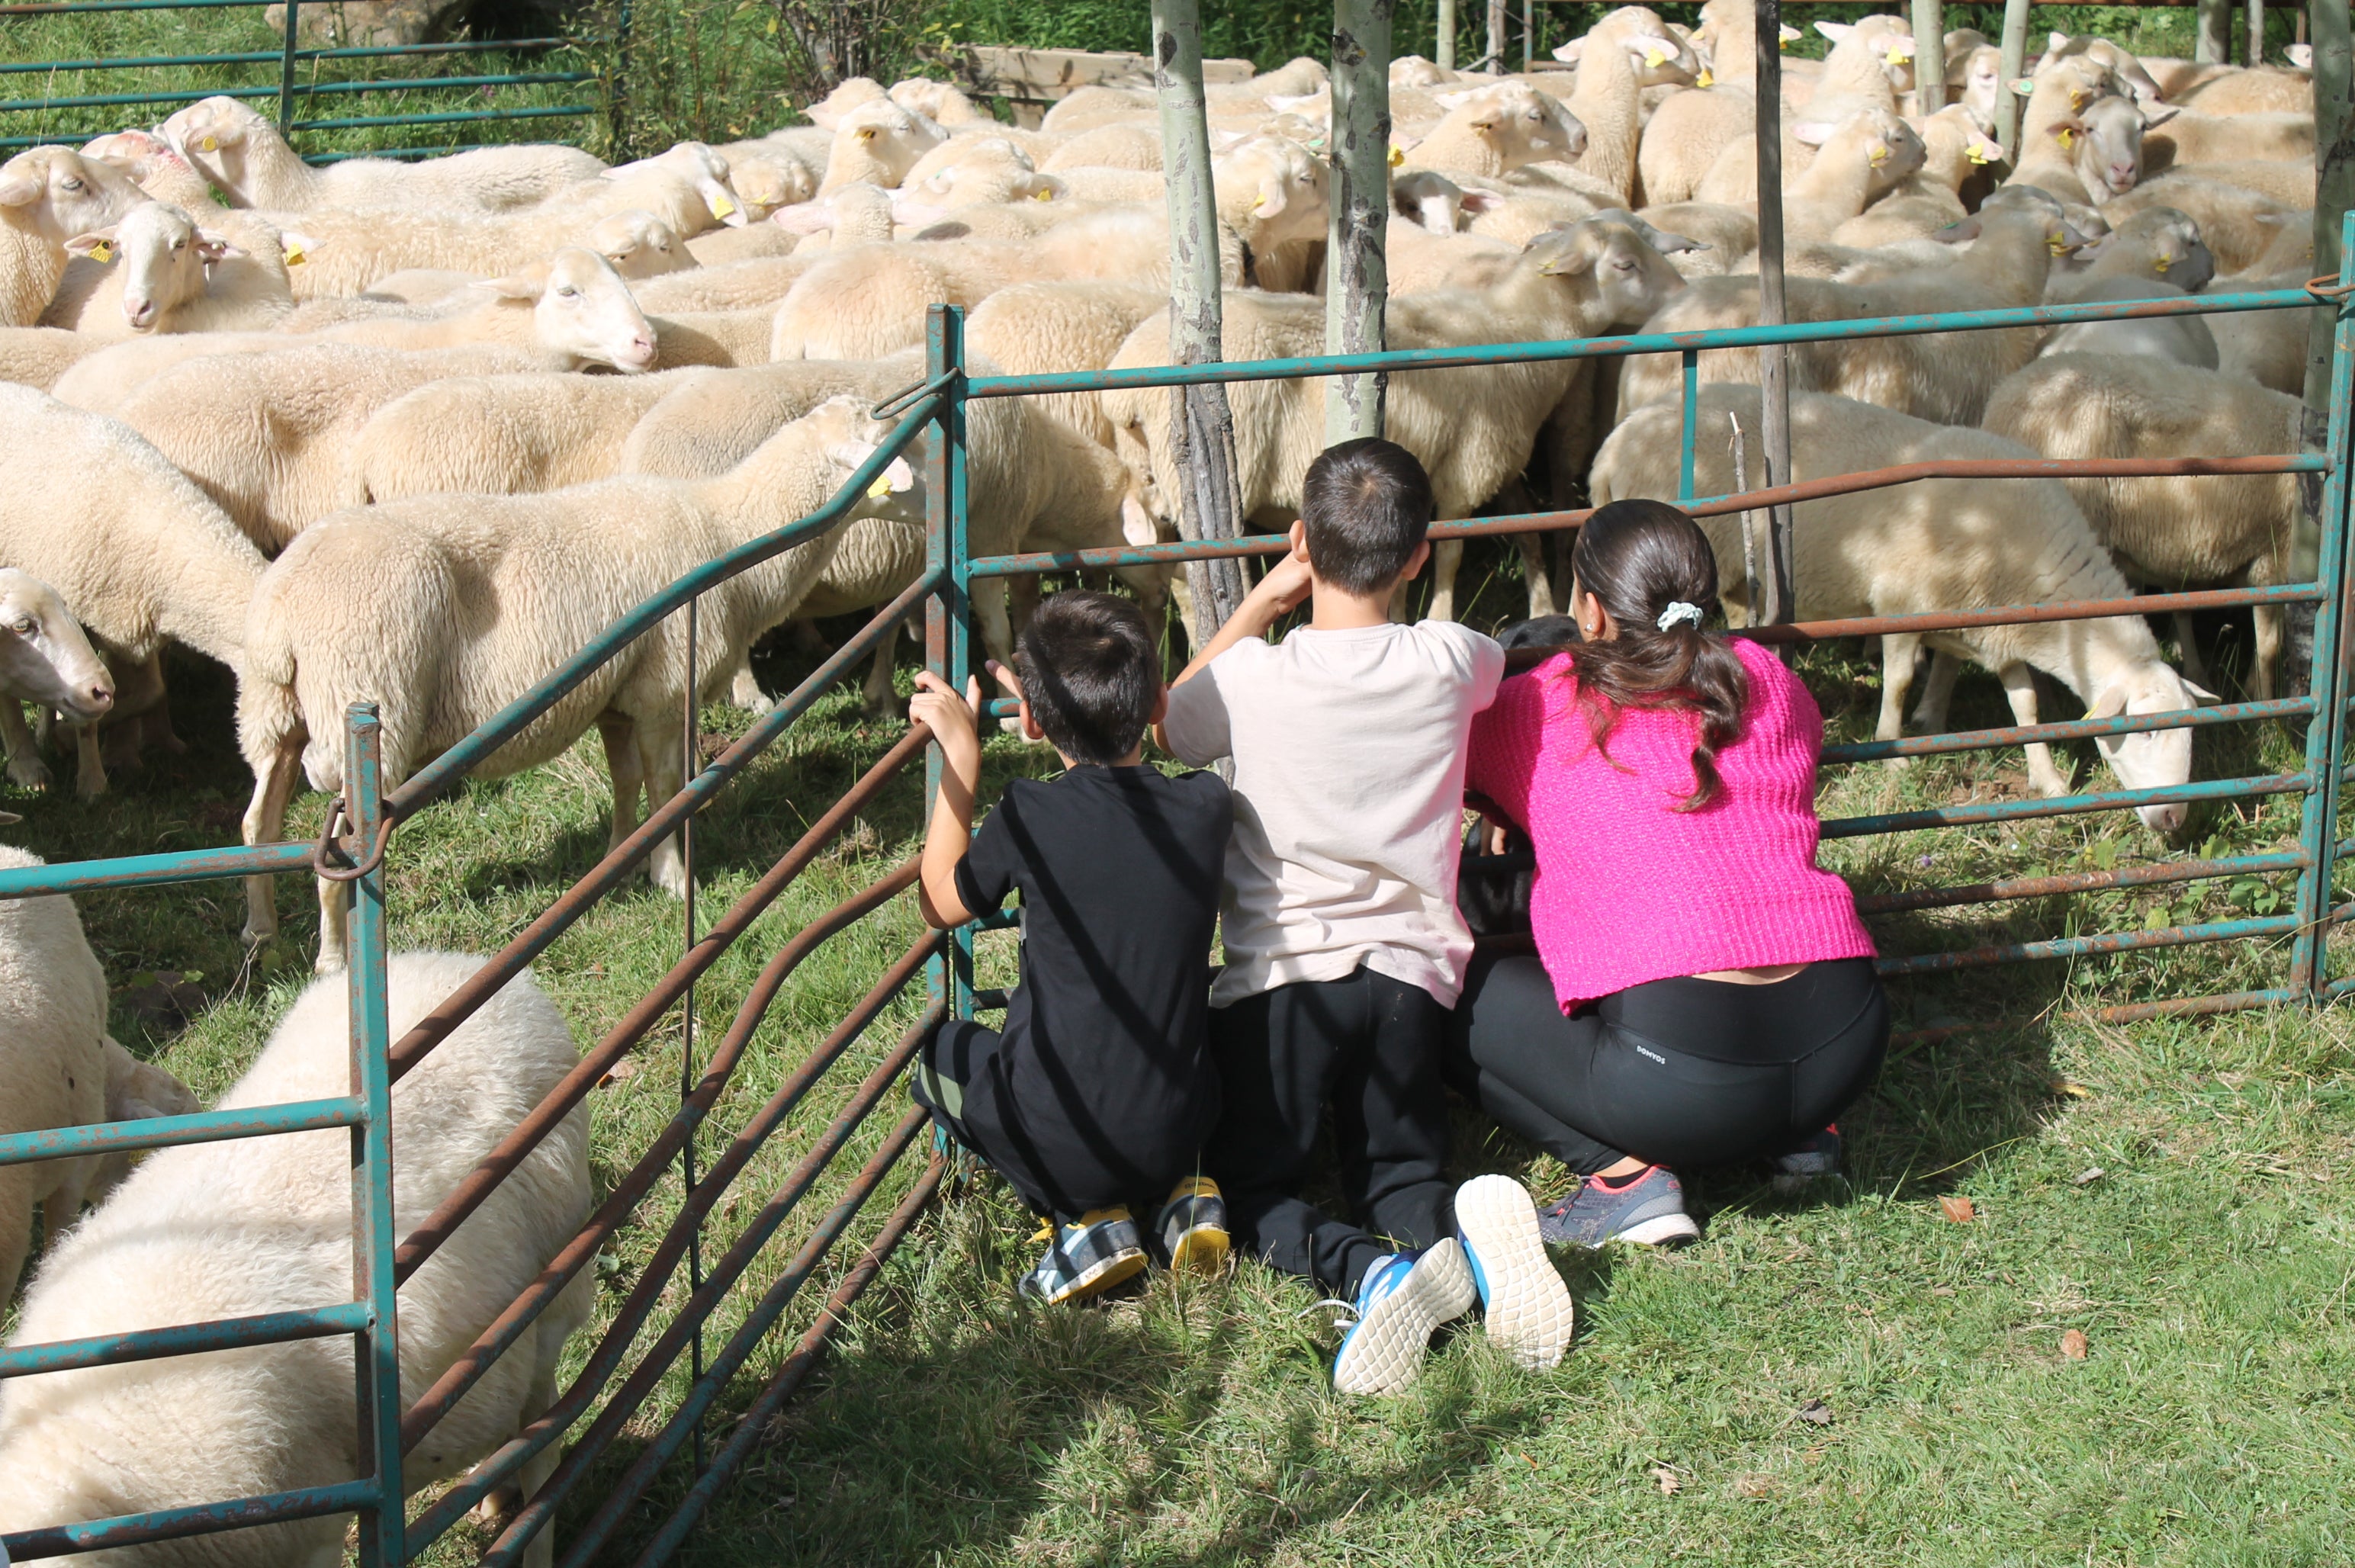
[1680, 1073]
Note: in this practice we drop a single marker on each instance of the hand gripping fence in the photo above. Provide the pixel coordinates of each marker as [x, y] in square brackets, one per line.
[663, 1318]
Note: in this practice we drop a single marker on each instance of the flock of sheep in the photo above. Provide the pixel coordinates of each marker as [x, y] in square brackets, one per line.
[415, 433]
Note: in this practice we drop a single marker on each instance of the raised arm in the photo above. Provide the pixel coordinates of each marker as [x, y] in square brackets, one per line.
[951, 720]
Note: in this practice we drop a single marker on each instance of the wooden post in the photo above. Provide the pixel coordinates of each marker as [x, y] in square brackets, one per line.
[1773, 384]
[1494, 62]
[2208, 48]
[1357, 275]
[2252, 50]
[2334, 167]
[1528, 39]
[1929, 55]
[1443, 51]
[2015, 62]
[1202, 429]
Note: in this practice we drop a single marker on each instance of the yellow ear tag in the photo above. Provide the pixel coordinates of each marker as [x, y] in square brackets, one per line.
[1786, 34]
[1398, 156]
[1898, 57]
[1879, 157]
[1045, 193]
[2054, 243]
[880, 489]
[1706, 78]
[1975, 153]
[209, 146]
[2159, 263]
[722, 207]
[294, 255]
[2068, 138]
[1656, 56]
[100, 254]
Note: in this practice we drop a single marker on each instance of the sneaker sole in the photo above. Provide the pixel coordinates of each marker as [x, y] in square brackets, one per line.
[1529, 1314]
[1113, 1271]
[1661, 1232]
[1384, 1352]
[1201, 1251]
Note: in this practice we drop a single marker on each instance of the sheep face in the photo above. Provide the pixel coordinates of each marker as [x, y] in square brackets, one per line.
[217, 137]
[939, 102]
[702, 168]
[972, 170]
[59, 194]
[2121, 64]
[1519, 124]
[2177, 253]
[1272, 191]
[1889, 38]
[44, 656]
[1608, 259]
[2157, 758]
[766, 182]
[638, 244]
[139, 155]
[828, 112]
[2104, 142]
[1660, 57]
[890, 136]
[162, 256]
[841, 429]
[582, 308]
[1982, 84]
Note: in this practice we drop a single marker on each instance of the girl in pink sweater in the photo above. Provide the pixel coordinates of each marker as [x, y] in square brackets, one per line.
[1703, 993]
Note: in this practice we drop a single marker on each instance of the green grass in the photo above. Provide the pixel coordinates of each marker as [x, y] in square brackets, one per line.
[2207, 1266]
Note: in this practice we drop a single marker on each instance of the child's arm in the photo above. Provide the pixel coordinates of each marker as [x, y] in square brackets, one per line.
[1286, 584]
[937, 707]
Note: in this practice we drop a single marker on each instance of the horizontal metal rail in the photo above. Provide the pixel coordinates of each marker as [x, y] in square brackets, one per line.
[2089, 946]
[93, 7]
[2069, 730]
[2062, 882]
[169, 1132]
[300, 90]
[453, 117]
[1981, 814]
[188, 1340]
[275, 57]
[152, 870]
[1461, 356]
[202, 1519]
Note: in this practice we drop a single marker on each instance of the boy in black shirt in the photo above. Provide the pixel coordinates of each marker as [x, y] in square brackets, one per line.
[1100, 1090]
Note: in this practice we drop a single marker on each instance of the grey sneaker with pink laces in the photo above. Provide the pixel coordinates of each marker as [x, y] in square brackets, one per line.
[1646, 1208]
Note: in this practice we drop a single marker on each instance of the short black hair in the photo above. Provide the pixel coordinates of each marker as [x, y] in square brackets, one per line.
[1367, 504]
[1090, 672]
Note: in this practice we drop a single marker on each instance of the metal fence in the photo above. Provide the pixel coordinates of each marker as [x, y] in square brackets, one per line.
[309, 77]
[593, 1408]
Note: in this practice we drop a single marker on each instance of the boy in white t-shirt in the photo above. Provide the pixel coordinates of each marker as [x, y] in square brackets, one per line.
[1344, 949]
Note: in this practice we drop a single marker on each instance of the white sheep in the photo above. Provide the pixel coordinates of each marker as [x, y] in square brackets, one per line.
[721, 246]
[639, 245]
[157, 272]
[1114, 147]
[1953, 149]
[2194, 138]
[247, 160]
[46, 660]
[1684, 136]
[1627, 51]
[1491, 131]
[728, 285]
[2267, 346]
[1856, 159]
[2169, 533]
[151, 162]
[52, 1065]
[2241, 226]
[1930, 546]
[722, 338]
[876, 144]
[499, 435]
[446, 608]
[38, 356]
[49, 195]
[1035, 328]
[2094, 154]
[254, 1225]
[968, 171]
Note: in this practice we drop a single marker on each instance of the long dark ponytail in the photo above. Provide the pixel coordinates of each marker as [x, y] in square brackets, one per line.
[1640, 558]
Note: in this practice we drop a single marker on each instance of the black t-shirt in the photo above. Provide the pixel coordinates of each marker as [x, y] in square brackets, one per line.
[1102, 1090]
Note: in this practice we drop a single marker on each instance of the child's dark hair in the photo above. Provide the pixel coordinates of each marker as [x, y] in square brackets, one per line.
[1090, 672]
[1367, 504]
[1640, 558]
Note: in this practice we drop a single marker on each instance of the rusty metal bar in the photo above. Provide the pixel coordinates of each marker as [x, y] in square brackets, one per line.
[2081, 882]
[469, 1193]
[2070, 730]
[2063, 806]
[2088, 946]
[171, 1524]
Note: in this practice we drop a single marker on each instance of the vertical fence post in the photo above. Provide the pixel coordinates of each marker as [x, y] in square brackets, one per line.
[1930, 55]
[1443, 47]
[286, 76]
[2325, 734]
[376, 1358]
[1494, 62]
[1356, 269]
[1691, 436]
[690, 765]
[1778, 597]
[2015, 60]
[2254, 52]
[2212, 18]
[948, 615]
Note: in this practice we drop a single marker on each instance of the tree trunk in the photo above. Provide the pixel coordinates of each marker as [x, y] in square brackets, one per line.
[1357, 274]
[1774, 379]
[1929, 55]
[2015, 61]
[1202, 430]
[2209, 47]
[2334, 159]
[1444, 54]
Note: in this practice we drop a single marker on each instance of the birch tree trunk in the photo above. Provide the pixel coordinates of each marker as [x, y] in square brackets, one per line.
[2015, 61]
[1202, 429]
[1929, 55]
[2208, 48]
[1357, 274]
[1773, 381]
[1443, 55]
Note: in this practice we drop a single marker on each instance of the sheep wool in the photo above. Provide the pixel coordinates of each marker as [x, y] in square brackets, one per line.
[52, 1066]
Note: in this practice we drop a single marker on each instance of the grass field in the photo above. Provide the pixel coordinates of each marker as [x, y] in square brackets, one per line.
[2206, 1264]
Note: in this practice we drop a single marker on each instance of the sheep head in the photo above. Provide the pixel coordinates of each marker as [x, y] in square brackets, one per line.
[57, 192]
[219, 138]
[1613, 262]
[638, 244]
[1518, 123]
[846, 437]
[828, 112]
[764, 182]
[161, 256]
[581, 310]
[1272, 191]
[881, 141]
[2158, 241]
[943, 103]
[2154, 758]
[45, 658]
[2103, 141]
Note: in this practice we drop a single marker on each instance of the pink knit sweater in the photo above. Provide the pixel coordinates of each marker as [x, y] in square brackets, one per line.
[1628, 888]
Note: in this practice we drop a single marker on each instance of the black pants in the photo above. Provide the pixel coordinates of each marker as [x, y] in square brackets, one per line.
[1680, 1072]
[1370, 1047]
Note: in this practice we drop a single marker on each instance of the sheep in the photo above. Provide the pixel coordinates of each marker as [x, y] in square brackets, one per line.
[226, 1229]
[1629, 49]
[52, 1069]
[446, 608]
[2267, 346]
[876, 144]
[574, 307]
[2156, 243]
[154, 166]
[2240, 226]
[721, 338]
[2094, 155]
[1134, 148]
[1033, 328]
[968, 171]
[696, 163]
[2286, 180]
[639, 245]
[278, 465]
[2134, 79]
[768, 179]
[37, 356]
[859, 213]
[1856, 158]
[140, 555]
[723, 246]
[249, 163]
[762, 280]
[1491, 131]
[2176, 339]
[157, 272]
[848, 95]
[2169, 533]
[136, 1090]
[1473, 428]
[1933, 545]
[49, 195]
[1685, 134]
[1928, 199]
[941, 102]
[1944, 377]
[1856, 75]
[103, 380]
[2191, 138]
[499, 435]
[46, 660]
[2252, 91]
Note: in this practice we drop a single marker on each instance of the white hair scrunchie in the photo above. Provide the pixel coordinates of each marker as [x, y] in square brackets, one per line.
[1678, 612]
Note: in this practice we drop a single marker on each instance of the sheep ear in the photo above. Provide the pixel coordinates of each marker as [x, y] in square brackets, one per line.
[1479, 201]
[529, 285]
[1838, 32]
[9, 819]
[19, 190]
[2151, 121]
[1228, 140]
[213, 248]
[1135, 526]
[98, 244]
[897, 478]
[1570, 53]
[2055, 44]
[2111, 703]
[917, 214]
[1672, 244]
[2302, 56]
[2200, 692]
[1272, 200]
[1039, 187]
[1814, 133]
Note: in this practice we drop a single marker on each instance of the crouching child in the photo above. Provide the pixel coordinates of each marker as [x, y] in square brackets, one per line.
[1094, 1099]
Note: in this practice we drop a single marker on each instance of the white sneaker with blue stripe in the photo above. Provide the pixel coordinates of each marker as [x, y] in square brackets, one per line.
[1529, 1310]
[1400, 1300]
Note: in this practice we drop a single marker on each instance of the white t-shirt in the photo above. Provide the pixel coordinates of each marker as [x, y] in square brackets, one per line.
[1348, 751]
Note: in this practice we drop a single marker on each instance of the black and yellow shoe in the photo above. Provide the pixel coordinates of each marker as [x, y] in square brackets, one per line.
[1086, 1256]
[1192, 1227]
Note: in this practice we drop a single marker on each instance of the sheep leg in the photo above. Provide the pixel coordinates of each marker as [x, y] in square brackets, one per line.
[620, 734]
[666, 774]
[89, 762]
[996, 627]
[335, 917]
[1533, 572]
[2261, 678]
[878, 695]
[744, 691]
[1937, 693]
[2194, 667]
[2020, 687]
[265, 823]
[26, 769]
[1899, 652]
[1022, 602]
[1446, 559]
